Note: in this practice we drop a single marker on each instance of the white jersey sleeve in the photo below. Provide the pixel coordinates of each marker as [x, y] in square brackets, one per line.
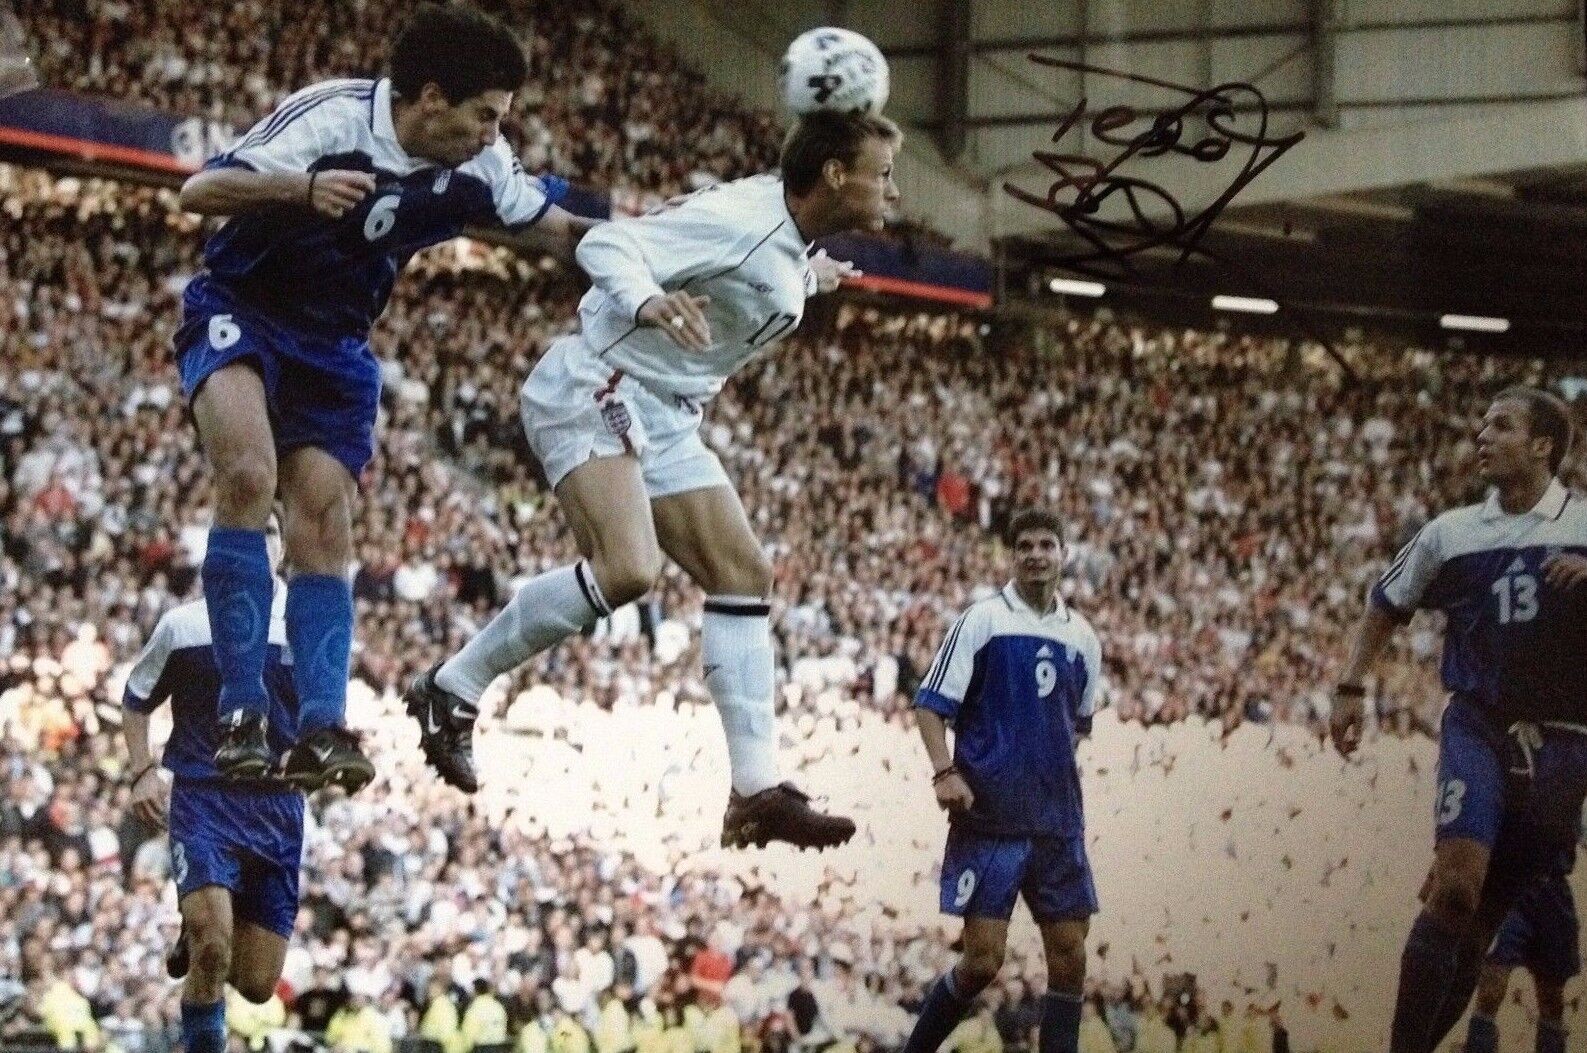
[320, 120]
[630, 260]
[1091, 655]
[139, 694]
[519, 197]
[1402, 586]
[942, 691]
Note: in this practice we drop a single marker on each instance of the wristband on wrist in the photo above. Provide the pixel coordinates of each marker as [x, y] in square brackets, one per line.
[944, 773]
[146, 769]
[1350, 691]
[311, 188]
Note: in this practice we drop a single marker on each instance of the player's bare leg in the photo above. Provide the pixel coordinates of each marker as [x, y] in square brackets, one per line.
[1064, 946]
[706, 532]
[1436, 973]
[608, 511]
[317, 493]
[207, 928]
[1551, 1033]
[234, 430]
[257, 958]
[950, 998]
[1482, 1035]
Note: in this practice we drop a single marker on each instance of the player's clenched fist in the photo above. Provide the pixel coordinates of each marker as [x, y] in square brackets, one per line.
[682, 315]
[953, 793]
[333, 191]
[1347, 718]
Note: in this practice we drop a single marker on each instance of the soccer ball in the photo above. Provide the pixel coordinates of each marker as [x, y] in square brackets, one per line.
[835, 70]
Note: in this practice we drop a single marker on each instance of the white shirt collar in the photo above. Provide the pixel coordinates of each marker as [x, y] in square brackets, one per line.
[1549, 506]
[1012, 597]
[384, 127]
[793, 224]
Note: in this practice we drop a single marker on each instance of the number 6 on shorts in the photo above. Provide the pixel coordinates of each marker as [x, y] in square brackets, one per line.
[223, 332]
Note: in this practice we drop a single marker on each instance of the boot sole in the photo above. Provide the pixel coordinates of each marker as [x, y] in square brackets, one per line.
[761, 840]
[254, 768]
[350, 777]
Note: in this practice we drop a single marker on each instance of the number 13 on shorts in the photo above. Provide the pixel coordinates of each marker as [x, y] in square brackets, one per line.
[1451, 796]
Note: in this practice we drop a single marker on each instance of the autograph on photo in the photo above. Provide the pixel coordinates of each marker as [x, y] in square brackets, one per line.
[1155, 217]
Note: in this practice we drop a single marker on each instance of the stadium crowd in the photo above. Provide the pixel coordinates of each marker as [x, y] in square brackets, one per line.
[1229, 500]
[606, 104]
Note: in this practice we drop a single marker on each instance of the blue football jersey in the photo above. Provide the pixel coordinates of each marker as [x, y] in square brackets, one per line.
[1513, 644]
[1019, 688]
[332, 278]
[178, 664]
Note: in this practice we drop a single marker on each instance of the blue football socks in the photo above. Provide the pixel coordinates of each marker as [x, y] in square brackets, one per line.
[204, 1027]
[1060, 1023]
[320, 632]
[1550, 1036]
[1427, 971]
[238, 588]
[941, 1012]
[1482, 1034]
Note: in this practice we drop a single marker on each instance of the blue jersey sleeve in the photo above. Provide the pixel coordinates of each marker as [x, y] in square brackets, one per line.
[147, 685]
[942, 691]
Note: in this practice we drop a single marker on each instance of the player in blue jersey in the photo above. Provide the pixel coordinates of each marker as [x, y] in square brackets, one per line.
[1510, 576]
[1542, 934]
[1017, 678]
[325, 200]
[235, 846]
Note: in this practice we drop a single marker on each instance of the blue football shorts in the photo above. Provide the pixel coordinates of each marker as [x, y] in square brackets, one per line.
[249, 841]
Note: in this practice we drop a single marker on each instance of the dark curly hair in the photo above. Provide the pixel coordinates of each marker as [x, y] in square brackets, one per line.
[460, 50]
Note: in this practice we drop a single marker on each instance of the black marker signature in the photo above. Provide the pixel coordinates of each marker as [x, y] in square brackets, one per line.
[1155, 217]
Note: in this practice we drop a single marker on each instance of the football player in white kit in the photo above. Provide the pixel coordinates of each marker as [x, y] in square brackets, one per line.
[681, 299]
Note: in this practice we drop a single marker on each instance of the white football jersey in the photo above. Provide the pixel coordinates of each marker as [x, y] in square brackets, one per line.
[735, 243]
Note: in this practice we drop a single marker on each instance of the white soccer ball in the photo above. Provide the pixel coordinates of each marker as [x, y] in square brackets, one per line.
[833, 69]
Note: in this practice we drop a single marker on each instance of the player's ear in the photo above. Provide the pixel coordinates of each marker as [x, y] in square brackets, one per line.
[835, 172]
[431, 97]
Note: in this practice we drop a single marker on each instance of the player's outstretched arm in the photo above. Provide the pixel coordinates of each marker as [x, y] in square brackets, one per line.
[1372, 635]
[558, 233]
[234, 190]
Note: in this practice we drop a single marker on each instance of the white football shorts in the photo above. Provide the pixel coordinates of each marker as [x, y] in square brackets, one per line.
[575, 408]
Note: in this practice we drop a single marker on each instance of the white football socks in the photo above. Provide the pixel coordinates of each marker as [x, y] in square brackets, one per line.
[735, 645]
[549, 608]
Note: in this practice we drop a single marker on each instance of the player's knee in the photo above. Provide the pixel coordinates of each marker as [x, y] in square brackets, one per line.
[1455, 895]
[627, 577]
[1454, 899]
[245, 485]
[744, 571]
[319, 533]
[754, 574]
[1066, 967]
[210, 955]
[979, 967]
[255, 988]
